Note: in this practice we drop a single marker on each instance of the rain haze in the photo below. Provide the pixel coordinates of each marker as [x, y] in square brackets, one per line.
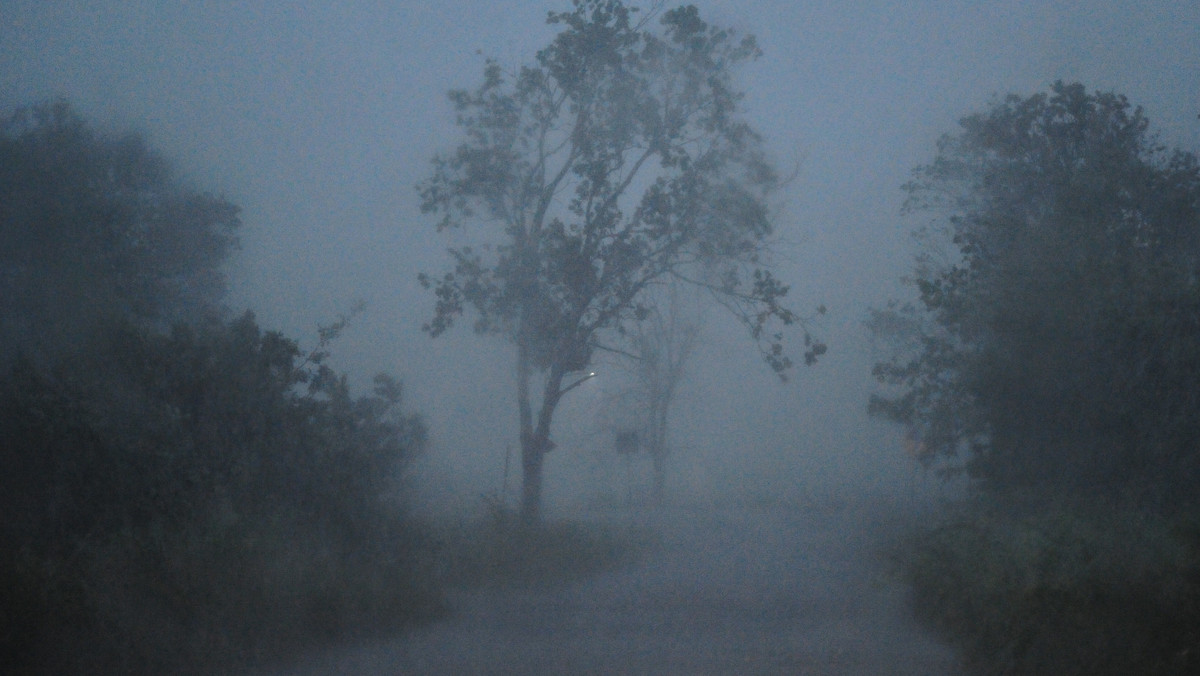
[320, 119]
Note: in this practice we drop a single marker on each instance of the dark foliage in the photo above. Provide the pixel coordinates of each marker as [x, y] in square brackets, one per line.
[1056, 339]
[1053, 588]
[173, 456]
[150, 428]
[95, 228]
[175, 499]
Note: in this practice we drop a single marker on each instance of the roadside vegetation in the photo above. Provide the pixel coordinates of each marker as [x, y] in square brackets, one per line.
[183, 491]
[1033, 585]
[179, 503]
[496, 548]
[1053, 357]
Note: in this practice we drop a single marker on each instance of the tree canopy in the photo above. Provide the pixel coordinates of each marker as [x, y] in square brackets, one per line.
[181, 492]
[615, 161]
[95, 227]
[1055, 337]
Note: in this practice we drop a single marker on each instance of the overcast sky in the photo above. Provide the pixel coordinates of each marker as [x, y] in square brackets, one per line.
[319, 118]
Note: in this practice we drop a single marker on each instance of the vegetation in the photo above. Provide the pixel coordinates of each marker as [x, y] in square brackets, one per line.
[185, 493]
[661, 346]
[96, 229]
[174, 500]
[615, 162]
[181, 497]
[1053, 356]
[1055, 340]
[1035, 586]
[498, 548]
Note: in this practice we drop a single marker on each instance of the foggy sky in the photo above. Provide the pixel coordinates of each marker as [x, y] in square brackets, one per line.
[319, 118]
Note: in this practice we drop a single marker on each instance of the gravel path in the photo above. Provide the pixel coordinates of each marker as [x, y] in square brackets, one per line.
[779, 590]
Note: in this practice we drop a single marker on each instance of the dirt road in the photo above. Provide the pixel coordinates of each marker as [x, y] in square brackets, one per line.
[734, 590]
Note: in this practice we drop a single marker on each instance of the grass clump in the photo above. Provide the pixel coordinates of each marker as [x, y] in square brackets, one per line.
[1039, 586]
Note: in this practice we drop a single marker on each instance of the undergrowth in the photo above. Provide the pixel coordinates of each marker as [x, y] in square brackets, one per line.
[206, 600]
[1037, 586]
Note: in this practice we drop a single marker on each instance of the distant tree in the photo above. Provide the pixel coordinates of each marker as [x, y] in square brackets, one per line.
[661, 347]
[95, 228]
[614, 162]
[1057, 337]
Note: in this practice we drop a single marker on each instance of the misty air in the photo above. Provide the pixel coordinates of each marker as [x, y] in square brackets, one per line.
[594, 337]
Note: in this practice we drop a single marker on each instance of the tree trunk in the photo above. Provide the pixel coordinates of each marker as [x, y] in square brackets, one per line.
[531, 482]
[657, 443]
[660, 477]
[535, 440]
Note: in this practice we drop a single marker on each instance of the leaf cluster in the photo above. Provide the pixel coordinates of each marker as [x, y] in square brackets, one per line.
[179, 496]
[208, 481]
[1060, 587]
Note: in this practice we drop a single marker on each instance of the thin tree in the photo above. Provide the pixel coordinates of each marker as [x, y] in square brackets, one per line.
[614, 162]
[663, 344]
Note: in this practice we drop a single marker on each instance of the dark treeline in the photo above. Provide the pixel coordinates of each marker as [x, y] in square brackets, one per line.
[181, 490]
[1053, 356]
[1055, 344]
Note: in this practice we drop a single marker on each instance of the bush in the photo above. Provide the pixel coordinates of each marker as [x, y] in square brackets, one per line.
[180, 502]
[174, 500]
[1059, 587]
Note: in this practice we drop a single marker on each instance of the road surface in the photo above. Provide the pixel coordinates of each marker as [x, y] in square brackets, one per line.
[778, 589]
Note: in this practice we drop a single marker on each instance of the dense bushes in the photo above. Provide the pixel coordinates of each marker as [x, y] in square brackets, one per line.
[177, 500]
[1034, 586]
[1052, 351]
[173, 499]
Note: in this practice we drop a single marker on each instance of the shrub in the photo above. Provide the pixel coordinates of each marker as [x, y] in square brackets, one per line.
[1054, 587]
[200, 498]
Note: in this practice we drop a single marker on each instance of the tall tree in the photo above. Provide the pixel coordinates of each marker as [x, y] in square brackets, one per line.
[615, 161]
[95, 228]
[1055, 338]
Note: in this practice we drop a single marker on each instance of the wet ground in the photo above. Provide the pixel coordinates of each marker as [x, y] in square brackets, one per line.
[772, 589]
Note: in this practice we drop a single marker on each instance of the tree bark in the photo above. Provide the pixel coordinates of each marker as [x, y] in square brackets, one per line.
[531, 482]
[535, 439]
[656, 445]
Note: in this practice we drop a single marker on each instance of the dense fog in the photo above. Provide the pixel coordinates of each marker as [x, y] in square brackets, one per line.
[319, 120]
